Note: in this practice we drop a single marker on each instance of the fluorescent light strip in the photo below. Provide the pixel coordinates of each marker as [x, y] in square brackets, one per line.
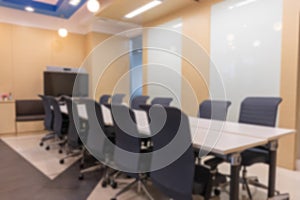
[144, 8]
[177, 25]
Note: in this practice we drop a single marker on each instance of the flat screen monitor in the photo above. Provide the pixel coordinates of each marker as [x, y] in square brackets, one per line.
[70, 84]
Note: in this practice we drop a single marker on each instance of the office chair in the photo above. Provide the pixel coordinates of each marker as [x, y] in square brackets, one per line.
[257, 111]
[213, 109]
[104, 99]
[48, 120]
[95, 142]
[60, 124]
[131, 142]
[164, 101]
[74, 144]
[117, 98]
[182, 178]
[137, 101]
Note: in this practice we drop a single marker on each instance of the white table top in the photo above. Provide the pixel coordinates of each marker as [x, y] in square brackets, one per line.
[263, 132]
[223, 143]
[220, 138]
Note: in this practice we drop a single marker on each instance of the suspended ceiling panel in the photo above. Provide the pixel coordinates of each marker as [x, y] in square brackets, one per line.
[119, 8]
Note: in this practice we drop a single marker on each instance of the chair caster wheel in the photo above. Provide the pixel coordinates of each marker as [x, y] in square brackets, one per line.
[60, 151]
[80, 177]
[217, 192]
[81, 166]
[62, 161]
[114, 185]
[104, 184]
[41, 144]
[47, 148]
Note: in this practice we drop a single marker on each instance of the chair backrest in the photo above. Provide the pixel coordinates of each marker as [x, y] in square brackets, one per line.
[126, 138]
[57, 117]
[93, 135]
[137, 101]
[117, 98]
[164, 101]
[73, 135]
[48, 120]
[213, 109]
[175, 180]
[259, 110]
[104, 99]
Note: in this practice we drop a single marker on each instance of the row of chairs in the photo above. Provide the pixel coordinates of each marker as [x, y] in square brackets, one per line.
[261, 111]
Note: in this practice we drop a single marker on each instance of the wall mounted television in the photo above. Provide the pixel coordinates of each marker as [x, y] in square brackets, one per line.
[63, 83]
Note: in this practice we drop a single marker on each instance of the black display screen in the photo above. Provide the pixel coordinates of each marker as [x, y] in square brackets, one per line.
[70, 84]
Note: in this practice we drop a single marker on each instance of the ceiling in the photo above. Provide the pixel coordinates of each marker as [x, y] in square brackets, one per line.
[55, 14]
[119, 8]
[55, 8]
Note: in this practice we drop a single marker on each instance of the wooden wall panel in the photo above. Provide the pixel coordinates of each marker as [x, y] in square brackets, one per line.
[6, 70]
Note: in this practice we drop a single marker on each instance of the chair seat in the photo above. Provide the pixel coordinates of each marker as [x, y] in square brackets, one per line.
[255, 155]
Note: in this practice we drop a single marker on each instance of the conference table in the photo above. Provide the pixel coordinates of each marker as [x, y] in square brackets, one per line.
[223, 139]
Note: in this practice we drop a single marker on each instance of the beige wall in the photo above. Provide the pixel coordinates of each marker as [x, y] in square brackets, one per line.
[106, 71]
[25, 52]
[289, 108]
[93, 39]
[196, 24]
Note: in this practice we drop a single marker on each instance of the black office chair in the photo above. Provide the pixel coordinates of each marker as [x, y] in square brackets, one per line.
[60, 124]
[131, 142]
[48, 120]
[104, 99]
[257, 111]
[74, 144]
[137, 101]
[214, 109]
[164, 101]
[95, 142]
[180, 179]
[117, 98]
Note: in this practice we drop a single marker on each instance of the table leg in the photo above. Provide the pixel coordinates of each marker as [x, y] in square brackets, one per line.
[272, 167]
[235, 176]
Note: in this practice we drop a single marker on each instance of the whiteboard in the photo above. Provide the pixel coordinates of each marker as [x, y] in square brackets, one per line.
[246, 49]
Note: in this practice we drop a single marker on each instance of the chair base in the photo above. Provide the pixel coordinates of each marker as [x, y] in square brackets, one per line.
[140, 183]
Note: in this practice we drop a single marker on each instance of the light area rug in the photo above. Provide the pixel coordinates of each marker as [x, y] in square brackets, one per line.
[45, 161]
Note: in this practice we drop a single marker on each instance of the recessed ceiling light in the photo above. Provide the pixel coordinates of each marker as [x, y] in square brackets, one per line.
[144, 8]
[74, 2]
[29, 9]
[62, 32]
[93, 5]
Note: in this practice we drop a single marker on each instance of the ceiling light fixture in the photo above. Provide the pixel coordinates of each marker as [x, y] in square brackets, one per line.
[62, 32]
[74, 2]
[93, 5]
[144, 8]
[29, 9]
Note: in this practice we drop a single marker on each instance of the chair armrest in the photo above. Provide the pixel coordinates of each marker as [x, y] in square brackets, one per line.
[214, 162]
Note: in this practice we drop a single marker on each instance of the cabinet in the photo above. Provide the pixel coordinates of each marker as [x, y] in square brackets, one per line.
[7, 117]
